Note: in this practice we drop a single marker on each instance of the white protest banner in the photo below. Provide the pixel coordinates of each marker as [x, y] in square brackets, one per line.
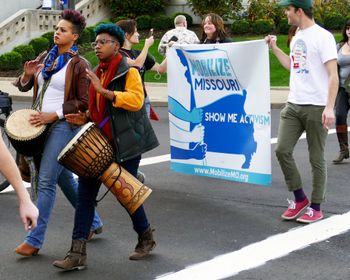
[219, 111]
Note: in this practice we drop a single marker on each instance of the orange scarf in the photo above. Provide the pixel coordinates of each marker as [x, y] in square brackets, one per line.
[97, 107]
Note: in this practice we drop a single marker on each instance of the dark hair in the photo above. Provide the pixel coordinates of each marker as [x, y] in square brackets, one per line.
[308, 12]
[345, 37]
[219, 25]
[291, 32]
[76, 18]
[128, 25]
[111, 29]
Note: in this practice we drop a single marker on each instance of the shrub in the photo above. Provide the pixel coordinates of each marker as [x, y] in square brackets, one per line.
[283, 27]
[143, 22]
[118, 18]
[26, 51]
[265, 9]
[135, 8]
[224, 8]
[40, 44]
[85, 37]
[262, 26]
[10, 61]
[49, 36]
[161, 22]
[334, 21]
[91, 29]
[188, 18]
[240, 27]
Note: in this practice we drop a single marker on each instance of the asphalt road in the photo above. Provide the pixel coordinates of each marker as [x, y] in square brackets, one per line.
[196, 219]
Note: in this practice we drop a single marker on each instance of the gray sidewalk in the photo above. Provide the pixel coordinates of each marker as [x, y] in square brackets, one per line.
[156, 91]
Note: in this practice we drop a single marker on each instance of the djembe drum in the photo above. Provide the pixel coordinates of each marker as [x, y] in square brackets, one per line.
[27, 139]
[90, 155]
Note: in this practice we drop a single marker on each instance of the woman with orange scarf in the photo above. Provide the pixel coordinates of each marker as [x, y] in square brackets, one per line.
[116, 105]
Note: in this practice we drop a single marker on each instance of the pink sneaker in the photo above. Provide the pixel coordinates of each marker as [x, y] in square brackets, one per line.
[310, 216]
[294, 209]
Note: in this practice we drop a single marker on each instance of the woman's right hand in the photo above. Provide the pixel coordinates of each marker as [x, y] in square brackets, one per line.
[149, 41]
[31, 67]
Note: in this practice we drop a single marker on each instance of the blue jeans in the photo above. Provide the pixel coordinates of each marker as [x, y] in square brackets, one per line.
[50, 174]
[87, 193]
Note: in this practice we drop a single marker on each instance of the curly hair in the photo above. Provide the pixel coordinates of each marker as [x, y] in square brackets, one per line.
[128, 25]
[111, 29]
[76, 18]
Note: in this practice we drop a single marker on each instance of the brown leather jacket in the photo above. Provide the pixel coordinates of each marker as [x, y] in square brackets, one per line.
[76, 85]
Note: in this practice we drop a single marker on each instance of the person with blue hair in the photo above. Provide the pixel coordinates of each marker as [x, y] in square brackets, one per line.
[116, 105]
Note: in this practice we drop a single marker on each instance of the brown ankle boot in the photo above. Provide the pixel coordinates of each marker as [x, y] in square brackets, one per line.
[342, 134]
[26, 250]
[144, 246]
[75, 258]
[342, 155]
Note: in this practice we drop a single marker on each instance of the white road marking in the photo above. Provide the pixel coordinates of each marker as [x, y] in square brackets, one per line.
[155, 160]
[257, 254]
[274, 247]
[166, 157]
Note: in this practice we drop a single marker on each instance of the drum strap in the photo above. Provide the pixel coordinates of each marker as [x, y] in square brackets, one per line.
[103, 122]
[112, 185]
[37, 105]
[34, 177]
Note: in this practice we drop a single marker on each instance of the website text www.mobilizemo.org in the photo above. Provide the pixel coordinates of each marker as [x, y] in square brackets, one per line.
[219, 172]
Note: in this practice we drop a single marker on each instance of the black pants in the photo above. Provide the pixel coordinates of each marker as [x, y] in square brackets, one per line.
[342, 106]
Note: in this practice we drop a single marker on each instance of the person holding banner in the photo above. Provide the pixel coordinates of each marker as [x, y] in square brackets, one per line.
[27, 210]
[313, 89]
[214, 30]
[342, 105]
[116, 104]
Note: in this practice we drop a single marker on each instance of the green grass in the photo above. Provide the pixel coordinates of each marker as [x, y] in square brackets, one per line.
[278, 75]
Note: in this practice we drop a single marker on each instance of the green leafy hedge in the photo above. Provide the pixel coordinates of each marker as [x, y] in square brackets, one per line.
[40, 44]
[26, 51]
[10, 61]
[162, 22]
[143, 22]
[262, 26]
[49, 36]
[241, 26]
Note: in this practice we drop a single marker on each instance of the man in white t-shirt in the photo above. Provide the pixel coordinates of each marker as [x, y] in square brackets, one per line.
[179, 35]
[313, 88]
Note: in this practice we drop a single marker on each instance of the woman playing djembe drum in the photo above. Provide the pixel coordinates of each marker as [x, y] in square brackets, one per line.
[116, 105]
[60, 87]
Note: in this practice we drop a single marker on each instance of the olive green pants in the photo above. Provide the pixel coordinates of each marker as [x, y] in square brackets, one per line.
[294, 120]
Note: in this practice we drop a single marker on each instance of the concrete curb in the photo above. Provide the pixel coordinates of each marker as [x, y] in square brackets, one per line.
[156, 91]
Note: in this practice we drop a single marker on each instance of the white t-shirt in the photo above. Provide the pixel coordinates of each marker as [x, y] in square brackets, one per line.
[54, 95]
[310, 48]
[47, 4]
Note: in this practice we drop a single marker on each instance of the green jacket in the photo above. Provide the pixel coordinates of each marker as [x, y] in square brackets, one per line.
[132, 132]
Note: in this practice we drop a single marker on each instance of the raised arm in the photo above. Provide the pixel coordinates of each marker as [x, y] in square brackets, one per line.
[140, 60]
[283, 58]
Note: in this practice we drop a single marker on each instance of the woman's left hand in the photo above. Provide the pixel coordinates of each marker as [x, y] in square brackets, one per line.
[42, 118]
[94, 80]
[79, 118]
